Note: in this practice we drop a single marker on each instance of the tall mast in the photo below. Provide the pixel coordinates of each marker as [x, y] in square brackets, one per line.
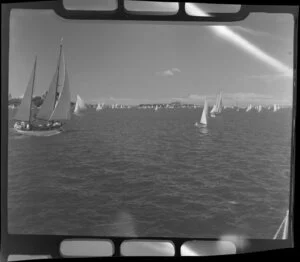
[60, 48]
[32, 89]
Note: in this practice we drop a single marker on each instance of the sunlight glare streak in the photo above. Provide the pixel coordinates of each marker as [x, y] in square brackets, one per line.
[226, 33]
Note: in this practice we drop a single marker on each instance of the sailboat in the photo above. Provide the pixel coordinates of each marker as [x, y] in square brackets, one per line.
[218, 107]
[54, 111]
[249, 107]
[259, 108]
[203, 120]
[275, 107]
[156, 108]
[99, 107]
[80, 105]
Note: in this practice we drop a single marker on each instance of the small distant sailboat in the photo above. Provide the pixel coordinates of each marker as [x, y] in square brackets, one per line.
[156, 108]
[218, 107]
[203, 120]
[237, 107]
[80, 105]
[275, 108]
[249, 107]
[259, 108]
[53, 112]
[99, 107]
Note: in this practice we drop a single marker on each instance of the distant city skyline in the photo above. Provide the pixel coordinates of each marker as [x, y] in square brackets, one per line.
[130, 63]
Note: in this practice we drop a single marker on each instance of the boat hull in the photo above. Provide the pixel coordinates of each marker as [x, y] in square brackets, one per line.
[200, 125]
[39, 132]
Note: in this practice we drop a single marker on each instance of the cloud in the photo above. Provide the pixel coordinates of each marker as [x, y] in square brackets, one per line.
[196, 97]
[176, 70]
[169, 72]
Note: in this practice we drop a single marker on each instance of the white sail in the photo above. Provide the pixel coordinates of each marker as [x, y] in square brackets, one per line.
[219, 103]
[56, 84]
[80, 105]
[259, 108]
[214, 109]
[62, 109]
[249, 108]
[24, 111]
[217, 108]
[275, 108]
[99, 107]
[204, 114]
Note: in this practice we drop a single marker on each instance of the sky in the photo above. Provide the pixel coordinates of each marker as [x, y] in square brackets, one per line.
[149, 62]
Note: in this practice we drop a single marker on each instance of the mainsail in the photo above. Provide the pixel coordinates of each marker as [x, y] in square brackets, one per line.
[204, 114]
[56, 83]
[62, 108]
[80, 105]
[24, 111]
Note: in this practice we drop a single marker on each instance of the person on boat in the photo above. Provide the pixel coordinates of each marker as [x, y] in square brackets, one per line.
[58, 124]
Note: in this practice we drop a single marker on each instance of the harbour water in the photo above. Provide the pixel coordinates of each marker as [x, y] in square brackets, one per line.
[137, 172]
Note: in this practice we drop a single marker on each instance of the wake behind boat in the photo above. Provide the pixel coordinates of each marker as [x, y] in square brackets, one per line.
[53, 112]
